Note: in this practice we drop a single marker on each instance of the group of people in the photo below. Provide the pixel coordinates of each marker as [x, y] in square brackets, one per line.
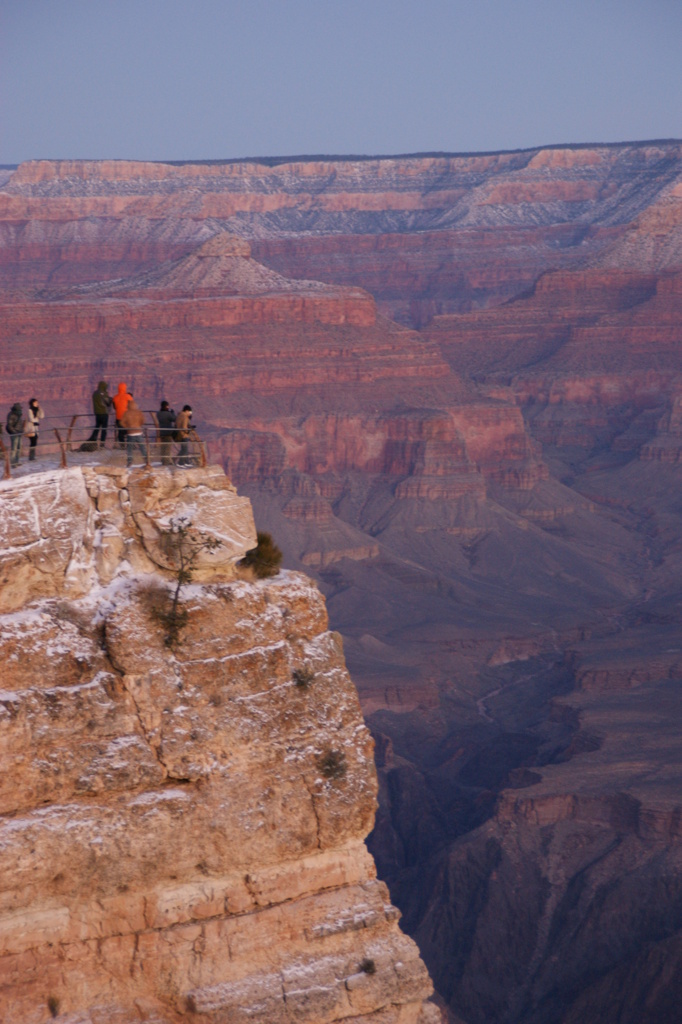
[129, 427]
[17, 426]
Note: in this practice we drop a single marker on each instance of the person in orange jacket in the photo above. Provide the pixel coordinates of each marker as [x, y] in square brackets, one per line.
[121, 401]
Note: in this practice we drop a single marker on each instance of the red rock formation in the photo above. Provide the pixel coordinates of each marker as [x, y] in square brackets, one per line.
[491, 503]
[424, 235]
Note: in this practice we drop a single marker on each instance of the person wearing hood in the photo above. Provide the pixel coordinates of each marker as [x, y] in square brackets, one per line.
[121, 400]
[15, 428]
[35, 415]
[101, 404]
[132, 423]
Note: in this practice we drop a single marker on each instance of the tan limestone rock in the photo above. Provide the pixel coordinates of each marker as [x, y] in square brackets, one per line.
[46, 524]
[181, 827]
[63, 532]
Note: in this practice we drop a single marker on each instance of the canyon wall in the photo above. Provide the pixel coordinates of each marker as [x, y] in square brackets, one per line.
[425, 235]
[181, 825]
[451, 388]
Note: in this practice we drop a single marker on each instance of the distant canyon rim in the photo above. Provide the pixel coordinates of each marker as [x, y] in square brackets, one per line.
[452, 388]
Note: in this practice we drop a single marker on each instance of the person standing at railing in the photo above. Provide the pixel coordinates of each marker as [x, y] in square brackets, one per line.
[165, 418]
[35, 415]
[121, 401]
[132, 422]
[184, 425]
[101, 404]
[14, 425]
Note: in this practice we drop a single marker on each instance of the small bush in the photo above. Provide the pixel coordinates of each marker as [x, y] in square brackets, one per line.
[53, 1005]
[332, 764]
[265, 559]
[368, 966]
[303, 677]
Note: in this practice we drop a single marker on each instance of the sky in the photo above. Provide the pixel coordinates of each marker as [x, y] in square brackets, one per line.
[221, 79]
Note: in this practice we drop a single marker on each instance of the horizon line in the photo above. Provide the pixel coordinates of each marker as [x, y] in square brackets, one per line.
[273, 161]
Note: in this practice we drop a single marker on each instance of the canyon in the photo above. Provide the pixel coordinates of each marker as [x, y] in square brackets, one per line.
[450, 386]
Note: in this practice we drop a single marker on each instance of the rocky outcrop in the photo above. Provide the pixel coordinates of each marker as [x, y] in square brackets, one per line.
[64, 532]
[181, 817]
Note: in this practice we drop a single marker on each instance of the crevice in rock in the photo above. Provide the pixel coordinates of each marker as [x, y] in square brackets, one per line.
[120, 673]
[133, 959]
[315, 812]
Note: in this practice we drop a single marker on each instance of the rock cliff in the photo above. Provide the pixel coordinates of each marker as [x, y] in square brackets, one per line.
[181, 823]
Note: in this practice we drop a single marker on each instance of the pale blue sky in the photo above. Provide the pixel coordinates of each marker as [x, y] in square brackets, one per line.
[212, 79]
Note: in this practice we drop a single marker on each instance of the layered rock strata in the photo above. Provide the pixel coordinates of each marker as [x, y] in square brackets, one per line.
[181, 826]
[491, 503]
[426, 235]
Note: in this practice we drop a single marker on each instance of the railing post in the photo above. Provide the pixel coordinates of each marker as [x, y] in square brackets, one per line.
[202, 456]
[62, 446]
[69, 431]
[146, 449]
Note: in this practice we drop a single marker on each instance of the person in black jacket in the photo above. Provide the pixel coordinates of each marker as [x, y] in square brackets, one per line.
[15, 428]
[101, 404]
[165, 418]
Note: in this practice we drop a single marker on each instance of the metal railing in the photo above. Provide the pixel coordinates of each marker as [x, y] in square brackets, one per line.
[73, 441]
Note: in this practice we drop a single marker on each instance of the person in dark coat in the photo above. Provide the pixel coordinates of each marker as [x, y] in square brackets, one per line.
[101, 404]
[165, 418]
[15, 428]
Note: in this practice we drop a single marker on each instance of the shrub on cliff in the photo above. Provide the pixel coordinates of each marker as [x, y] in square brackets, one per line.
[332, 764]
[264, 560]
[303, 677]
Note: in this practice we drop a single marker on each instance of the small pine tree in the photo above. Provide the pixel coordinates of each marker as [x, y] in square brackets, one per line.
[182, 545]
